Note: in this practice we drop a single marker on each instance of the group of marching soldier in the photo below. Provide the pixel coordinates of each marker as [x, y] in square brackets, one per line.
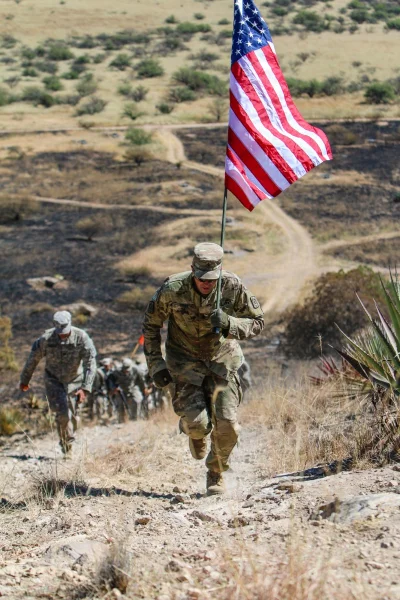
[202, 370]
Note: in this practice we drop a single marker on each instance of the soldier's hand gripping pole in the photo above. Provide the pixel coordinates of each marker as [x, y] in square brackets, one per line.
[223, 224]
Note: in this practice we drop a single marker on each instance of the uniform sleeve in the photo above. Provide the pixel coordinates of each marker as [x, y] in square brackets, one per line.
[89, 364]
[249, 319]
[156, 314]
[37, 353]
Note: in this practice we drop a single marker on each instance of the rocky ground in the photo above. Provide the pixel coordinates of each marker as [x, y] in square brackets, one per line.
[133, 496]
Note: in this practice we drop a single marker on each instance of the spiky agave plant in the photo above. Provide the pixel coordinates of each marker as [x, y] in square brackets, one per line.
[374, 356]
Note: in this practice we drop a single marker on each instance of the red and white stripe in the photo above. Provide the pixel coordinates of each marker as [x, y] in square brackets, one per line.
[270, 145]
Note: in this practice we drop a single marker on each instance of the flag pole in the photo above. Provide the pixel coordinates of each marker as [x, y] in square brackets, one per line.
[223, 226]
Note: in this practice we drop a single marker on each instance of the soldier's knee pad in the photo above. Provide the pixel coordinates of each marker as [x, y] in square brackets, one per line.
[195, 429]
[228, 429]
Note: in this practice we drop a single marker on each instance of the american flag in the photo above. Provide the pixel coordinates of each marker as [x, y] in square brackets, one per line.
[270, 145]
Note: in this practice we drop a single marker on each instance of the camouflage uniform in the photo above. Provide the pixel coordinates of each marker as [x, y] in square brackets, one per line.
[203, 364]
[70, 366]
[131, 382]
[97, 399]
[245, 377]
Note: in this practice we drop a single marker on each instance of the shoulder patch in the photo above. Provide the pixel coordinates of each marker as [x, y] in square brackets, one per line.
[255, 302]
[151, 307]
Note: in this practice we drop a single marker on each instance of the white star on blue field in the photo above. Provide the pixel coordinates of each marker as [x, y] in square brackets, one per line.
[250, 32]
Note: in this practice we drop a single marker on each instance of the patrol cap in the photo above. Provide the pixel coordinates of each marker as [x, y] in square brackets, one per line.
[62, 321]
[207, 260]
[105, 362]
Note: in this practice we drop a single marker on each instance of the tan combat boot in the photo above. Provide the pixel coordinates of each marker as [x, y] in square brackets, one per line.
[198, 448]
[215, 483]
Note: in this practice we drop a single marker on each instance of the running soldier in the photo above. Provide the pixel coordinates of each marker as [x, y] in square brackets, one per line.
[127, 385]
[200, 363]
[98, 400]
[70, 369]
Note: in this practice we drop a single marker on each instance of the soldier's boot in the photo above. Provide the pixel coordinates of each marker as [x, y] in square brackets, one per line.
[215, 483]
[198, 448]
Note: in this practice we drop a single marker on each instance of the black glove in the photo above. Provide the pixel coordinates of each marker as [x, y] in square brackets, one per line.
[220, 319]
[162, 378]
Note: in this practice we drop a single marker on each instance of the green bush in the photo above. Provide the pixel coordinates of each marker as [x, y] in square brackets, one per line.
[59, 52]
[139, 94]
[223, 22]
[279, 11]
[131, 111]
[37, 96]
[332, 302]
[165, 108]
[98, 58]
[138, 137]
[393, 24]
[46, 66]
[71, 99]
[52, 83]
[332, 86]
[310, 20]
[181, 94]
[125, 89]
[380, 93]
[84, 59]
[149, 67]
[199, 16]
[171, 19]
[4, 97]
[298, 87]
[359, 15]
[121, 62]
[29, 72]
[87, 85]
[199, 81]
[71, 75]
[188, 28]
[91, 107]
[8, 41]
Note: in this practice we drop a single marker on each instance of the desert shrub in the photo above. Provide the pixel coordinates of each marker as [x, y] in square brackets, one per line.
[59, 52]
[138, 94]
[136, 299]
[79, 67]
[192, 28]
[114, 570]
[131, 111]
[8, 41]
[46, 66]
[198, 80]
[53, 83]
[138, 137]
[380, 93]
[204, 59]
[125, 89]
[279, 11]
[359, 15]
[121, 62]
[310, 20]
[224, 34]
[339, 134]
[11, 420]
[181, 94]
[87, 85]
[13, 210]
[149, 67]
[28, 53]
[71, 99]
[91, 107]
[86, 42]
[7, 357]
[138, 155]
[171, 19]
[298, 87]
[223, 22]
[91, 227]
[29, 72]
[4, 97]
[84, 59]
[37, 96]
[393, 24]
[71, 74]
[170, 44]
[332, 86]
[218, 109]
[98, 58]
[199, 16]
[165, 108]
[332, 302]
[12, 81]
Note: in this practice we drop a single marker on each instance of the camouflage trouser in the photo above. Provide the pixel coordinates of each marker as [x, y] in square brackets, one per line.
[95, 405]
[133, 403]
[63, 405]
[211, 407]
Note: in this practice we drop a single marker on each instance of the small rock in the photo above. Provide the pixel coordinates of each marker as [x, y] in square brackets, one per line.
[20, 532]
[176, 490]
[175, 566]
[384, 545]
[178, 499]
[239, 521]
[396, 468]
[374, 565]
[142, 520]
[393, 483]
[248, 504]
[115, 593]
[202, 516]
[289, 487]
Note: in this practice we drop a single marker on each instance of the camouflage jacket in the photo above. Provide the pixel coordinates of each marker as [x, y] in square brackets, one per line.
[192, 348]
[100, 382]
[71, 361]
[127, 380]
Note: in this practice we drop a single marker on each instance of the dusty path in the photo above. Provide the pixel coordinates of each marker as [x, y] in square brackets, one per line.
[295, 266]
[136, 487]
[355, 241]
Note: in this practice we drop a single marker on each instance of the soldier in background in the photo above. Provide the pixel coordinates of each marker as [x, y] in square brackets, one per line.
[200, 363]
[70, 369]
[127, 387]
[245, 378]
[98, 400]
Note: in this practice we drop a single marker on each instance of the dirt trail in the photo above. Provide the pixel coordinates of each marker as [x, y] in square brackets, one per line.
[285, 278]
[355, 241]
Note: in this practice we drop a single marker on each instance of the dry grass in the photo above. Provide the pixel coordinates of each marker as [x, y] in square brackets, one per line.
[306, 425]
[10, 420]
[136, 299]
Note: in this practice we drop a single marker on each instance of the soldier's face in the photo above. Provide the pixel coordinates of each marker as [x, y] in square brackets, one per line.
[64, 336]
[205, 286]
